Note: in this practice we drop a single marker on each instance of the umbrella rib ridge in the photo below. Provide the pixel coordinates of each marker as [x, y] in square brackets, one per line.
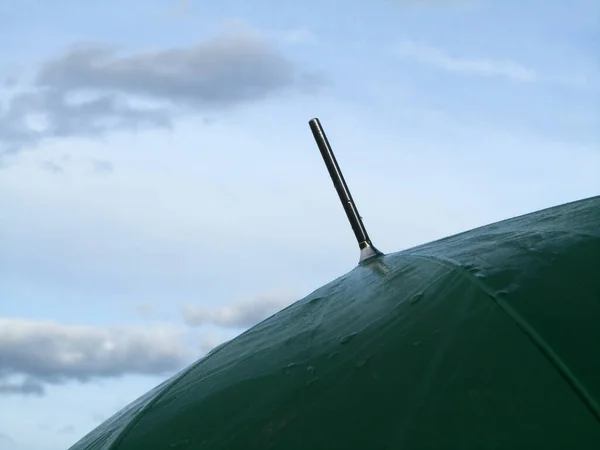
[533, 335]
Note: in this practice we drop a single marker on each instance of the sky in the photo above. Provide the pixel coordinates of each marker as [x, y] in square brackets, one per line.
[161, 192]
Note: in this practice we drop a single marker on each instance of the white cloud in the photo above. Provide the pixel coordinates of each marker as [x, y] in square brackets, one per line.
[503, 68]
[241, 314]
[35, 353]
[91, 90]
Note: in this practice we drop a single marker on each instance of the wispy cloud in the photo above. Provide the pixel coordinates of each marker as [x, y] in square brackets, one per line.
[93, 89]
[489, 67]
[236, 315]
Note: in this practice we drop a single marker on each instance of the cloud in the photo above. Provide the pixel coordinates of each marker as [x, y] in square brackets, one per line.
[27, 387]
[66, 163]
[93, 88]
[50, 353]
[63, 118]
[502, 68]
[242, 314]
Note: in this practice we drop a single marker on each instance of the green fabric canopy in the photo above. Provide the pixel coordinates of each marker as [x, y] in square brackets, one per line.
[489, 339]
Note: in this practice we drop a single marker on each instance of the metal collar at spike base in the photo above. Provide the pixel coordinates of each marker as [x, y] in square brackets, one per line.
[368, 251]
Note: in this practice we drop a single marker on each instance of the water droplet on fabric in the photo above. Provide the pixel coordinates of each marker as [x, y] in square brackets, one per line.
[348, 338]
[415, 298]
[288, 369]
[333, 355]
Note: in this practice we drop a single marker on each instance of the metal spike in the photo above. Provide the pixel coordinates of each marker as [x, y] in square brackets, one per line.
[367, 249]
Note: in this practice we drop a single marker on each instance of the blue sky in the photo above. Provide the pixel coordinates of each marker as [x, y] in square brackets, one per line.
[186, 200]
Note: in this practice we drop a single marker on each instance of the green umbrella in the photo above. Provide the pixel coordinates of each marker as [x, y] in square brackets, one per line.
[489, 339]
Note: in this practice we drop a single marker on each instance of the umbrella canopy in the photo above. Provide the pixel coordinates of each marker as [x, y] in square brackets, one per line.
[487, 339]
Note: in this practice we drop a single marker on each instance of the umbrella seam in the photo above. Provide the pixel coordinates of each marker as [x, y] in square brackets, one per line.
[544, 347]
